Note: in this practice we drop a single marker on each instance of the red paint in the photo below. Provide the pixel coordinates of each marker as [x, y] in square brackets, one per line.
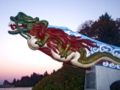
[13, 26]
[58, 36]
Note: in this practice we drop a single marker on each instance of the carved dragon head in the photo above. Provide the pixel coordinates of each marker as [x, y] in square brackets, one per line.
[23, 24]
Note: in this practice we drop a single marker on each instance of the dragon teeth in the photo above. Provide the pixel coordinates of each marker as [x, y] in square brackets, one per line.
[19, 24]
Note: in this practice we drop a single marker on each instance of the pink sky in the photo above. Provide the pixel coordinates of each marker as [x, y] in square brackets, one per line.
[16, 59]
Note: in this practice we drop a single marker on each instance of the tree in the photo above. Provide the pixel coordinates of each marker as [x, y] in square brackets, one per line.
[104, 29]
[35, 78]
[46, 74]
[26, 81]
[66, 78]
[14, 81]
[5, 83]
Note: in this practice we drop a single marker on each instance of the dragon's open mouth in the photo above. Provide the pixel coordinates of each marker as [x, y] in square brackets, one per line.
[15, 27]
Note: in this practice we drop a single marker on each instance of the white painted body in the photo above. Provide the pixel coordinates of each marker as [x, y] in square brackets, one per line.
[73, 57]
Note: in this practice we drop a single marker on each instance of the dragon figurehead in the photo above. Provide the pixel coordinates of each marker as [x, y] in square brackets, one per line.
[56, 43]
[22, 24]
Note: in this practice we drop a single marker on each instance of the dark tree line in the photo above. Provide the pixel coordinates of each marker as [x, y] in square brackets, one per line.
[25, 81]
[104, 29]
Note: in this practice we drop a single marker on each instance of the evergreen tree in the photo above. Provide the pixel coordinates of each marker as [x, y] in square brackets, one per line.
[104, 29]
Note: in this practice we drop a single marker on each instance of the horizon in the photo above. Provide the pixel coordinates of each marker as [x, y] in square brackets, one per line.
[16, 58]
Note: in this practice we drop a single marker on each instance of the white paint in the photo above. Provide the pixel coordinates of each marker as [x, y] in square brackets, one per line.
[105, 77]
[31, 43]
[111, 65]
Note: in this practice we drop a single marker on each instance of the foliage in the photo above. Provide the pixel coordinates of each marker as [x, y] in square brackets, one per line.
[67, 78]
[104, 29]
[25, 81]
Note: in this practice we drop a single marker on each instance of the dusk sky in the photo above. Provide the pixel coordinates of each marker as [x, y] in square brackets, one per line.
[16, 59]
